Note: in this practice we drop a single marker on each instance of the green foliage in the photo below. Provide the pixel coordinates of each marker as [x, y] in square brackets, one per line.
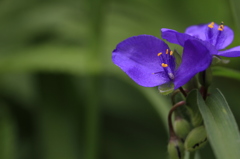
[196, 139]
[221, 127]
[59, 90]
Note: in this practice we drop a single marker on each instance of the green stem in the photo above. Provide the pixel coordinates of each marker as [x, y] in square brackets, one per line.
[96, 12]
[235, 8]
[192, 155]
[92, 120]
[170, 125]
[183, 92]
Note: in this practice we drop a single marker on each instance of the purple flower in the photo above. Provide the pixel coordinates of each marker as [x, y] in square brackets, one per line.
[149, 61]
[218, 36]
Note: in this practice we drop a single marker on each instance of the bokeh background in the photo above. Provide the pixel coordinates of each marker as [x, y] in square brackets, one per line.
[61, 97]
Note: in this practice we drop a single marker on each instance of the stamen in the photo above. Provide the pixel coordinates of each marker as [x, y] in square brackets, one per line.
[171, 52]
[221, 27]
[159, 54]
[211, 25]
[167, 51]
[164, 65]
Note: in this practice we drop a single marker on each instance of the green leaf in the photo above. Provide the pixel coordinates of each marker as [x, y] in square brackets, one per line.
[226, 72]
[49, 58]
[220, 125]
[195, 116]
[235, 5]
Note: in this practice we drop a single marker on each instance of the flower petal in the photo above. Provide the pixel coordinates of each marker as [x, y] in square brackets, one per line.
[137, 57]
[197, 31]
[196, 58]
[175, 37]
[233, 52]
[180, 38]
[223, 38]
[220, 39]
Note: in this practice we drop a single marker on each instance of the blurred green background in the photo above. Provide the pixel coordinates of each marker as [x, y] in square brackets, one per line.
[61, 97]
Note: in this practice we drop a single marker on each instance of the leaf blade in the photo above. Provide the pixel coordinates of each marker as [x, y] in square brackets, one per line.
[220, 125]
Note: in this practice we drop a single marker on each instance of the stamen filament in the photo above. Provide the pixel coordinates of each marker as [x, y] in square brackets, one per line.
[167, 51]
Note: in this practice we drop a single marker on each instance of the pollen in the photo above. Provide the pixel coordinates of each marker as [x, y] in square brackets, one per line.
[164, 65]
[159, 54]
[167, 51]
[221, 27]
[211, 25]
[171, 52]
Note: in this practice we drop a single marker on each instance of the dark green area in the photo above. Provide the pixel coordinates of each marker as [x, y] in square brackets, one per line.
[60, 95]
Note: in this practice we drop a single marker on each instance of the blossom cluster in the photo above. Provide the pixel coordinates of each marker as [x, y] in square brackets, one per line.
[150, 62]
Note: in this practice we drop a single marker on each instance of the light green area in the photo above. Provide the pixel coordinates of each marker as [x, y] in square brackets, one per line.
[221, 126]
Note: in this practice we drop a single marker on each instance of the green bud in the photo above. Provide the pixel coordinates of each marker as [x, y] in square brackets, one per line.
[205, 77]
[181, 127]
[175, 149]
[166, 89]
[196, 139]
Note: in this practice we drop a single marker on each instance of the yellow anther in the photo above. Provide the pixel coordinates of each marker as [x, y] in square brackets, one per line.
[167, 51]
[171, 52]
[221, 27]
[164, 65]
[211, 25]
[159, 54]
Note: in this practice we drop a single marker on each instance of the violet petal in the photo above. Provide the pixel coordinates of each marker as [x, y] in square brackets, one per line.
[137, 57]
[196, 58]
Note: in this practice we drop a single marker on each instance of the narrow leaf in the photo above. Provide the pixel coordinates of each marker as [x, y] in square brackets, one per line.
[226, 72]
[220, 125]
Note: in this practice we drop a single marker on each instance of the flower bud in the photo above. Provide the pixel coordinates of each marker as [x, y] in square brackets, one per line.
[181, 127]
[196, 139]
[176, 149]
[166, 89]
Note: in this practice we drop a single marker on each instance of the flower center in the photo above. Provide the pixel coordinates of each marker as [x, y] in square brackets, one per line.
[168, 63]
[214, 36]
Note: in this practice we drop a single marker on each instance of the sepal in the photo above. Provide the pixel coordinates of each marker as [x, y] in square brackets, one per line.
[166, 88]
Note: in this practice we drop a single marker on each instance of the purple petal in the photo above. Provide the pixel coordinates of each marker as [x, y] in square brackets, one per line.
[137, 57]
[233, 52]
[196, 58]
[197, 31]
[220, 39]
[223, 38]
[175, 37]
[180, 39]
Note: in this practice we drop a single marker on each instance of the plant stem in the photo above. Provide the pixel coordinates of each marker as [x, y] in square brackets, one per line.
[183, 92]
[192, 155]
